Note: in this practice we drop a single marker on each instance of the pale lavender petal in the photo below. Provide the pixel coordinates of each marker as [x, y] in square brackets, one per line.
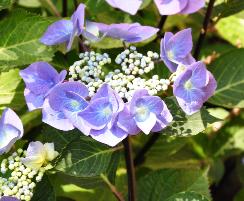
[56, 119]
[131, 33]
[147, 125]
[39, 77]
[109, 137]
[11, 129]
[210, 88]
[127, 122]
[153, 103]
[68, 95]
[171, 65]
[193, 6]
[137, 94]
[91, 32]
[33, 101]
[200, 76]
[78, 18]
[170, 7]
[98, 114]
[58, 32]
[190, 107]
[179, 45]
[129, 6]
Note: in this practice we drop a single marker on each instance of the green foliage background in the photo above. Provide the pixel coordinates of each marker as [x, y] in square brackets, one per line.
[193, 155]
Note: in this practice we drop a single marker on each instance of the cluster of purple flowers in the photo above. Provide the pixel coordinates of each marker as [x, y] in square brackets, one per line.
[105, 117]
[165, 7]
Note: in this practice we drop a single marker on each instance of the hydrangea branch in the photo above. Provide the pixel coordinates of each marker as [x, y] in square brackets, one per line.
[204, 29]
[161, 25]
[114, 190]
[130, 169]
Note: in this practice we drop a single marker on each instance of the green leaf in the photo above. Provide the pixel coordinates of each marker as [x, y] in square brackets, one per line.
[170, 184]
[185, 125]
[19, 42]
[229, 72]
[228, 8]
[44, 191]
[81, 156]
[231, 29]
[11, 90]
[5, 4]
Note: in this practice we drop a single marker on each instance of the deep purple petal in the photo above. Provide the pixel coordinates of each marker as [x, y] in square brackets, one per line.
[129, 6]
[98, 114]
[56, 119]
[179, 45]
[193, 6]
[170, 7]
[8, 198]
[58, 32]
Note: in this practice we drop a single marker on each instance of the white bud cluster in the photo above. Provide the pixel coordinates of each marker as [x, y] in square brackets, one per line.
[126, 81]
[89, 68]
[20, 181]
[134, 63]
[126, 85]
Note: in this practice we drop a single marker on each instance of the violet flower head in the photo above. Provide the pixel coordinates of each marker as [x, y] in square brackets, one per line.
[63, 105]
[11, 130]
[40, 78]
[129, 6]
[171, 7]
[176, 49]
[193, 87]
[64, 31]
[131, 33]
[101, 116]
[8, 198]
[144, 112]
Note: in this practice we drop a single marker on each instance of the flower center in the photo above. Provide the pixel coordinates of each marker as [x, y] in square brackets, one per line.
[188, 85]
[107, 111]
[170, 54]
[142, 113]
[75, 103]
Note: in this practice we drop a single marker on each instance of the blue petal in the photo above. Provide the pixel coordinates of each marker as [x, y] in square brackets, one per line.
[33, 101]
[98, 114]
[58, 32]
[200, 76]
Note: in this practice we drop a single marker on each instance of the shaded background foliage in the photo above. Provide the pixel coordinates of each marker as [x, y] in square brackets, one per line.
[206, 165]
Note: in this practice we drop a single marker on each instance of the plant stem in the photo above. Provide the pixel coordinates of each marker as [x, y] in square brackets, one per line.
[53, 8]
[140, 157]
[65, 8]
[75, 3]
[161, 25]
[130, 169]
[114, 190]
[204, 28]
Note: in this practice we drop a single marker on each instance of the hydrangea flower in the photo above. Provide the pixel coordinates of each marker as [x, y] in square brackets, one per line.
[193, 87]
[65, 30]
[62, 106]
[11, 129]
[131, 33]
[8, 198]
[40, 78]
[144, 112]
[165, 7]
[101, 115]
[176, 49]
[171, 7]
[129, 6]
[38, 154]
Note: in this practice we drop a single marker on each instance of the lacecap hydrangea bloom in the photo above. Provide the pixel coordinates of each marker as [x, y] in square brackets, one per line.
[165, 7]
[11, 130]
